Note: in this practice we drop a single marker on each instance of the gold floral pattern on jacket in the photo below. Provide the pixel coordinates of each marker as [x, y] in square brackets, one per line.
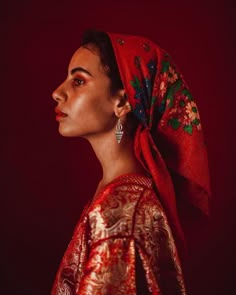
[125, 221]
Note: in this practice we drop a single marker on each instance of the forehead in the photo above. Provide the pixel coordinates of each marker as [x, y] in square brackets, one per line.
[88, 59]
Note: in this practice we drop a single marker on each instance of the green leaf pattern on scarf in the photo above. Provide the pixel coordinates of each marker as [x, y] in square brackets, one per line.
[169, 96]
[180, 109]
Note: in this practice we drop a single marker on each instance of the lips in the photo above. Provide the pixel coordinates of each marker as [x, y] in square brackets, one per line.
[60, 114]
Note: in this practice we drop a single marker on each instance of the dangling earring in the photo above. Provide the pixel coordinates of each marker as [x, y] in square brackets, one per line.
[119, 131]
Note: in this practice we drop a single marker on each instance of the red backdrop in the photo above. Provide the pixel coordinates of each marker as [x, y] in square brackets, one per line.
[47, 179]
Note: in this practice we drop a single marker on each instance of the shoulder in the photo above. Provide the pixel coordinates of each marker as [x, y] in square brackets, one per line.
[124, 191]
[113, 212]
[149, 203]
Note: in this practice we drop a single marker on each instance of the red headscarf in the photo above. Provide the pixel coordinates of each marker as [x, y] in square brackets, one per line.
[168, 142]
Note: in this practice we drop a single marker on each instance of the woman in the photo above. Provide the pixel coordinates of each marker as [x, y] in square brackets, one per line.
[127, 98]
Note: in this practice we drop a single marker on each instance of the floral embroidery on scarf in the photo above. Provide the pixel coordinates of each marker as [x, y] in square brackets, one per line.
[151, 67]
[120, 41]
[141, 98]
[184, 113]
[166, 97]
[137, 60]
[146, 47]
[176, 97]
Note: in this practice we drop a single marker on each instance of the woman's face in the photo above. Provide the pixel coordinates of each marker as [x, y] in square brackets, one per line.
[85, 105]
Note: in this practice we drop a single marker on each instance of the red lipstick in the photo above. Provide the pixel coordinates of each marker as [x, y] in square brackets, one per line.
[60, 114]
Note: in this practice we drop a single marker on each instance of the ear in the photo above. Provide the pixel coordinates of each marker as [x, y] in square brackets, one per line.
[121, 106]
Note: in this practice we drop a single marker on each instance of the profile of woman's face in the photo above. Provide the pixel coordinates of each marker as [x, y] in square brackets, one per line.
[85, 105]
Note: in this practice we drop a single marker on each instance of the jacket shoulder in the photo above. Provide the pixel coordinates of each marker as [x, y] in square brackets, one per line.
[113, 213]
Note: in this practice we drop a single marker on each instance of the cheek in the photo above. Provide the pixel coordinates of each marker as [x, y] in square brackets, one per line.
[91, 114]
[100, 114]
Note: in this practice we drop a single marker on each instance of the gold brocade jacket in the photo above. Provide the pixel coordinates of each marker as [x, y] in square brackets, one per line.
[121, 245]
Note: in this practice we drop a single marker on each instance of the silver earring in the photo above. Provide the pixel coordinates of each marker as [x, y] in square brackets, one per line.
[119, 131]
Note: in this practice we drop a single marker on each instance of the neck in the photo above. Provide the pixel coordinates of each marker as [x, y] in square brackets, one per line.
[115, 158]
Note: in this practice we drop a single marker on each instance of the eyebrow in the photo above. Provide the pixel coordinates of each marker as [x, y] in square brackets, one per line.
[79, 69]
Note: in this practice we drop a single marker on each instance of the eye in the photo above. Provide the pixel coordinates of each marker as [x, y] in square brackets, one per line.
[78, 81]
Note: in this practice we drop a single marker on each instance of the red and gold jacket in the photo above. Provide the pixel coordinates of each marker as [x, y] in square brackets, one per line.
[122, 245]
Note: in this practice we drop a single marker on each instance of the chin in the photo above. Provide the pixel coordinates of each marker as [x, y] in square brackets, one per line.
[66, 132]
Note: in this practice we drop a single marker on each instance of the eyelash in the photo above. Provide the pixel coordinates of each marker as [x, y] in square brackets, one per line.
[77, 81]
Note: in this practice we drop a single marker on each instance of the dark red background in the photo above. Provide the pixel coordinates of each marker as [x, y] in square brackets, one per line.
[47, 179]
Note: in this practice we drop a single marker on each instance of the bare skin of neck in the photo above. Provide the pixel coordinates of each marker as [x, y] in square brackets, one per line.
[115, 158]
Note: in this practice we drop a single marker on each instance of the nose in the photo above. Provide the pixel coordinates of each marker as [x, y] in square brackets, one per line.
[58, 94]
